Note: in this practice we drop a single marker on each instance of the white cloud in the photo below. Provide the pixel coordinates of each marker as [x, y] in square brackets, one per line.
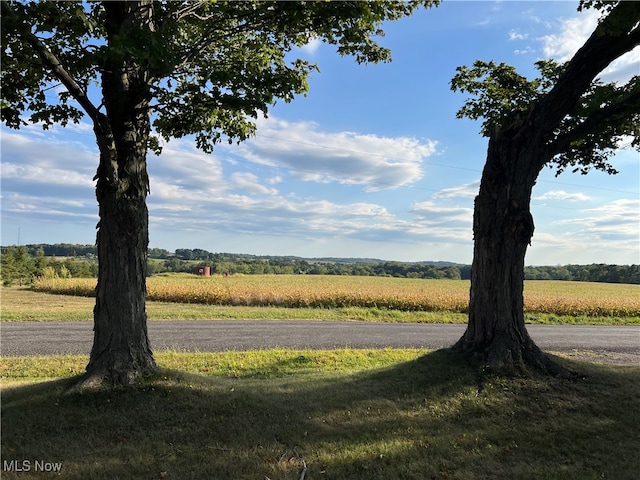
[46, 208]
[468, 190]
[274, 215]
[618, 219]
[607, 234]
[30, 147]
[181, 164]
[42, 174]
[311, 46]
[610, 231]
[192, 191]
[249, 183]
[37, 167]
[515, 35]
[523, 51]
[530, 15]
[573, 34]
[623, 68]
[437, 214]
[562, 195]
[348, 158]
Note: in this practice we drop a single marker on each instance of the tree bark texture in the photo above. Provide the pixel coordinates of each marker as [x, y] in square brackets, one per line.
[503, 228]
[121, 350]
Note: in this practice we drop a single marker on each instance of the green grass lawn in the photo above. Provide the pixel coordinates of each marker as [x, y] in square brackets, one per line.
[283, 414]
[348, 414]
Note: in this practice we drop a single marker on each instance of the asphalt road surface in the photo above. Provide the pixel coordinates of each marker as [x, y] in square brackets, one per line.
[607, 344]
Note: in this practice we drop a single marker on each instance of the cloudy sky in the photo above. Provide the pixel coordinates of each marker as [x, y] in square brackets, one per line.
[372, 163]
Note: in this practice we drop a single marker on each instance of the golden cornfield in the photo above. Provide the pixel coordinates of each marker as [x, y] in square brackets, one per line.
[331, 291]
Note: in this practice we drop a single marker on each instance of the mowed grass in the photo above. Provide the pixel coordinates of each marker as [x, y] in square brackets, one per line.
[348, 414]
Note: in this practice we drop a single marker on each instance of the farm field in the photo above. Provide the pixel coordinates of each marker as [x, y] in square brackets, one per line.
[577, 299]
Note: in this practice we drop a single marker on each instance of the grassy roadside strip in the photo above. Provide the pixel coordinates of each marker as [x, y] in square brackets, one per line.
[21, 304]
[247, 364]
[339, 414]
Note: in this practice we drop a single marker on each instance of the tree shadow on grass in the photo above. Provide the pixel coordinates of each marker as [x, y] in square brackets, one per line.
[423, 419]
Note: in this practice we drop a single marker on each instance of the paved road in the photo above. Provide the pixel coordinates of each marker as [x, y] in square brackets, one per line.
[611, 344]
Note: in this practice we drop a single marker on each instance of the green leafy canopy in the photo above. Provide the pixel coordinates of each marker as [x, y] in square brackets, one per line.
[499, 92]
[212, 67]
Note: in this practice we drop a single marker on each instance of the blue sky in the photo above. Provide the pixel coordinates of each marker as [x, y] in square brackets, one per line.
[371, 163]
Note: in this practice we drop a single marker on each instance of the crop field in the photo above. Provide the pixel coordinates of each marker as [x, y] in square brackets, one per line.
[317, 291]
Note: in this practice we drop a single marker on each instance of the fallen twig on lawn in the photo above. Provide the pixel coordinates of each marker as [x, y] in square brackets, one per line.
[298, 457]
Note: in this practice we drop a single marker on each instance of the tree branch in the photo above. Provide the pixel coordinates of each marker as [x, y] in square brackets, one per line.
[54, 65]
[627, 106]
[608, 42]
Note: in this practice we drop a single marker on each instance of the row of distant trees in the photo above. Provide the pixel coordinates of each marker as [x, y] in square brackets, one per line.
[284, 265]
[231, 264]
[60, 250]
[21, 264]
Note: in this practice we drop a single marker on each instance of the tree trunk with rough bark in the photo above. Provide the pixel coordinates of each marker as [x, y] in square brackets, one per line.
[502, 223]
[121, 350]
[502, 227]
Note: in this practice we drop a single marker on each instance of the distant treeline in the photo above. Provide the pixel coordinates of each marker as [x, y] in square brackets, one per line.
[20, 265]
[232, 264]
[24, 262]
[60, 250]
[596, 272]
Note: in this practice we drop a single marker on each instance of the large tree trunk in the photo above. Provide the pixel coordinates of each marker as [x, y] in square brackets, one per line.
[121, 350]
[502, 223]
[503, 227]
